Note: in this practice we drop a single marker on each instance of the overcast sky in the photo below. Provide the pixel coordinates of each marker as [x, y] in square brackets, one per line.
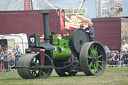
[89, 4]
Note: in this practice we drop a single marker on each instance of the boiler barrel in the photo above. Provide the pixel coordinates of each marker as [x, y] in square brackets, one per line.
[61, 53]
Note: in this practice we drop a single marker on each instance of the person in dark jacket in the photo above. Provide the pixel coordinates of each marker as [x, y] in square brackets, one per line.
[125, 58]
[114, 59]
[90, 31]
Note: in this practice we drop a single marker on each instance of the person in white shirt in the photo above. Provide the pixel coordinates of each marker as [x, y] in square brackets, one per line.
[124, 46]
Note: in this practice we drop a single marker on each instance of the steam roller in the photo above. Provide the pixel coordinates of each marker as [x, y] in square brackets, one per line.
[67, 56]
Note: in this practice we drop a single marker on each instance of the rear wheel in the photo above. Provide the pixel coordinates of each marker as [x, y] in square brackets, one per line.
[92, 58]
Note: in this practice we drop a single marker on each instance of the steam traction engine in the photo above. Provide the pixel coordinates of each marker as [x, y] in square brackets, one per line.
[67, 56]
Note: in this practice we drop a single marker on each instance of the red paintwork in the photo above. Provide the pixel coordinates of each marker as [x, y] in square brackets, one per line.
[42, 56]
[108, 31]
[28, 22]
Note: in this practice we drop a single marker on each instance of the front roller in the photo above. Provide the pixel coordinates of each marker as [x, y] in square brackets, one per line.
[28, 66]
[92, 58]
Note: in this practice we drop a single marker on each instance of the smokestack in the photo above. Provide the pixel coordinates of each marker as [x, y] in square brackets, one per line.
[46, 27]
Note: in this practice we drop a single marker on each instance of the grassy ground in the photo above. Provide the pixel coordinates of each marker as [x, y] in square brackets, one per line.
[111, 76]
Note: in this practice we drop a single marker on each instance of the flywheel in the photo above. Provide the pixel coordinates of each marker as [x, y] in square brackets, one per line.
[79, 37]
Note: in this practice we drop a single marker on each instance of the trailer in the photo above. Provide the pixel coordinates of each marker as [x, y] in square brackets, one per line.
[29, 22]
[111, 31]
[15, 39]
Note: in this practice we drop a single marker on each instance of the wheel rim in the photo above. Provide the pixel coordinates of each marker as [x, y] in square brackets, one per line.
[93, 58]
[40, 73]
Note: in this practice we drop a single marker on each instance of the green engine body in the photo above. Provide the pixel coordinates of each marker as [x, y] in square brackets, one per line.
[62, 49]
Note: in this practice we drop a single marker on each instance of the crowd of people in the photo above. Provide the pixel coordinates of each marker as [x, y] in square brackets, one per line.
[9, 58]
[124, 52]
[123, 56]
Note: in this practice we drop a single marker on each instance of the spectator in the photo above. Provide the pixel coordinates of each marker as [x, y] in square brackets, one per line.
[12, 65]
[125, 59]
[9, 48]
[17, 53]
[7, 57]
[114, 59]
[1, 57]
[1, 52]
[0, 48]
[2, 45]
[124, 46]
[90, 31]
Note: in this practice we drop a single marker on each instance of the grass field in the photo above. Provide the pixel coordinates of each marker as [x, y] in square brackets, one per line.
[111, 76]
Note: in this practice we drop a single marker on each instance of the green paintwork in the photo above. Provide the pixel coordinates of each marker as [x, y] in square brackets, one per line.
[66, 37]
[62, 49]
[64, 54]
[63, 42]
[94, 65]
[55, 40]
[94, 52]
